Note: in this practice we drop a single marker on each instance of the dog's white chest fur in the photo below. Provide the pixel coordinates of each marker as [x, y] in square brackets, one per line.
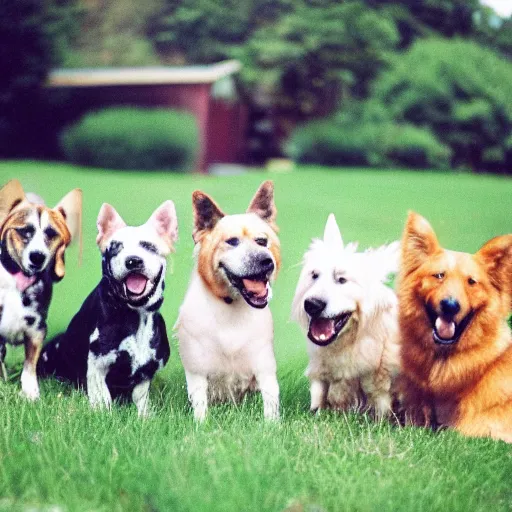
[219, 339]
[226, 350]
[13, 314]
[138, 344]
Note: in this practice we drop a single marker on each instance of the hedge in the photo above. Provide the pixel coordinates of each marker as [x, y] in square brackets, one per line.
[382, 144]
[132, 138]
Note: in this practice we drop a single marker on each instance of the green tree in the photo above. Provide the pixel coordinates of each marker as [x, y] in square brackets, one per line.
[113, 33]
[460, 91]
[205, 31]
[316, 54]
[424, 18]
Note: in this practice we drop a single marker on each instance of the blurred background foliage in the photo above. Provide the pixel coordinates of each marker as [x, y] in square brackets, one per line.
[379, 73]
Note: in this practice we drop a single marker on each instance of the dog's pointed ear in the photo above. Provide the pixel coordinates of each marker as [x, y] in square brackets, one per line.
[332, 234]
[165, 221]
[419, 241]
[206, 214]
[496, 257]
[262, 204]
[11, 195]
[108, 222]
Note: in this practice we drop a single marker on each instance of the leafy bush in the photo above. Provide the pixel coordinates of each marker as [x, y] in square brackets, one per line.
[460, 91]
[132, 138]
[376, 144]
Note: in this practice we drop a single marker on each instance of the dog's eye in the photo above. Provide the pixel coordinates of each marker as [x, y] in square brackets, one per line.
[471, 281]
[50, 233]
[261, 241]
[27, 232]
[314, 275]
[341, 280]
[439, 275]
[233, 241]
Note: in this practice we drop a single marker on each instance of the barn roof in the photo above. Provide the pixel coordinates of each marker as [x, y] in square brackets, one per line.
[142, 75]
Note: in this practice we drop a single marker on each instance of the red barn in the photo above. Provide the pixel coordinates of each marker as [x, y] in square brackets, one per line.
[208, 92]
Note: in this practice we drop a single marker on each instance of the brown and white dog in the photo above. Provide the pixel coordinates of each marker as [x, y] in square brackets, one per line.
[33, 239]
[225, 328]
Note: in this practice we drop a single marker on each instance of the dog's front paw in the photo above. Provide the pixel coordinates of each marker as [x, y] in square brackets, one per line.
[200, 413]
[271, 413]
[100, 399]
[29, 386]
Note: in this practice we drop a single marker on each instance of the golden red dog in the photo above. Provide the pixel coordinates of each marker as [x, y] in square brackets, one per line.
[456, 346]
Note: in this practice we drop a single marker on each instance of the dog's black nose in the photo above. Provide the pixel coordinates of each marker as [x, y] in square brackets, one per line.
[450, 306]
[36, 258]
[266, 265]
[134, 263]
[314, 306]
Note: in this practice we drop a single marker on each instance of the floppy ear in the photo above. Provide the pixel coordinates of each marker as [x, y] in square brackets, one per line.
[206, 214]
[108, 222]
[59, 267]
[165, 222]
[418, 242]
[11, 194]
[70, 207]
[496, 257]
[332, 235]
[263, 205]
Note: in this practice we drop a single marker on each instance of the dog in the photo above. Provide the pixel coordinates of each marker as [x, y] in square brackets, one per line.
[33, 239]
[350, 317]
[456, 345]
[224, 327]
[117, 341]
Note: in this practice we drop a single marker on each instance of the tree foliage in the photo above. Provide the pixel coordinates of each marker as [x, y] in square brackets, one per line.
[315, 54]
[426, 18]
[459, 91]
[205, 31]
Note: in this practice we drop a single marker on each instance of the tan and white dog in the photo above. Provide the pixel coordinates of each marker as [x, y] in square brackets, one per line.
[225, 328]
[350, 318]
[33, 238]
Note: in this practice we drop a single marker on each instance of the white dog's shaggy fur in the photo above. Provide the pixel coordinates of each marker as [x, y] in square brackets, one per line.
[351, 323]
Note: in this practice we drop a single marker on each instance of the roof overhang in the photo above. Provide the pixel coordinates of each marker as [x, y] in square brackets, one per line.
[162, 75]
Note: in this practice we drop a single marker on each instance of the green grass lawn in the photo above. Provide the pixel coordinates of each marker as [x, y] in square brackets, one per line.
[59, 453]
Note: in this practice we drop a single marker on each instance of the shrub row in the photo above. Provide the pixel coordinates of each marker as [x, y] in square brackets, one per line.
[132, 138]
[368, 144]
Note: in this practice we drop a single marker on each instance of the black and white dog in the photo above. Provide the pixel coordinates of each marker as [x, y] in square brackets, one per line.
[117, 340]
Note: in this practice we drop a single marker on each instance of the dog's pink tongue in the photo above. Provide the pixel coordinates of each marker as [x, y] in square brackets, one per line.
[445, 329]
[22, 281]
[322, 328]
[136, 283]
[258, 288]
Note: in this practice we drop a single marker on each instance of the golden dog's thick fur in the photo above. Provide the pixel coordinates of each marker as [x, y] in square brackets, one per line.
[465, 384]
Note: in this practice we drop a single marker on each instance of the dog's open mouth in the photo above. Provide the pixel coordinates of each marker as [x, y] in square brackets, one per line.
[254, 288]
[135, 284]
[445, 331]
[323, 331]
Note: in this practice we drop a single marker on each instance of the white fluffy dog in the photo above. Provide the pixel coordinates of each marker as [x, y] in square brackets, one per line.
[350, 318]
